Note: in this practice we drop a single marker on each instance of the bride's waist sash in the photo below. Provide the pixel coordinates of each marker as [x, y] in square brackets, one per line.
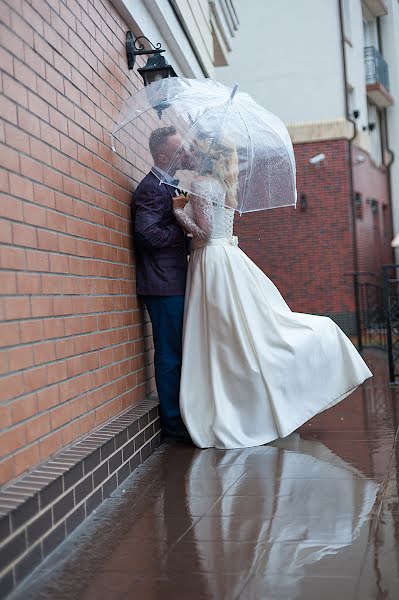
[226, 241]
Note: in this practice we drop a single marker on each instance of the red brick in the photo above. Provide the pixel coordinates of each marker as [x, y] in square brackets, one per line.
[37, 261]
[57, 372]
[60, 415]
[60, 162]
[53, 38]
[9, 334]
[12, 386]
[21, 187]
[6, 61]
[42, 8]
[31, 168]
[44, 352]
[43, 196]
[5, 416]
[9, 158]
[56, 221]
[12, 258]
[16, 138]
[23, 235]
[15, 90]
[27, 458]
[48, 398]
[35, 379]
[38, 106]
[42, 307]
[54, 328]
[22, 28]
[47, 92]
[28, 283]
[40, 151]
[49, 135]
[51, 284]
[5, 232]
[37, 427]
[8, 109]
[31, 331]
[62, 306]
[47, 240]
[20, 358]
[59, 263]
[64, 348]
[35, 63]
[35, 215]
[4, 187]
[7, 470]
[50, 445]
[12, 440]
[23, 408]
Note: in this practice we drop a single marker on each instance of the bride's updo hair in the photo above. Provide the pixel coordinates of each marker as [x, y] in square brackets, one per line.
[219, 159]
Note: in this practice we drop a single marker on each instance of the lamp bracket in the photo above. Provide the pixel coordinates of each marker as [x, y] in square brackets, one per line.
[140, 48]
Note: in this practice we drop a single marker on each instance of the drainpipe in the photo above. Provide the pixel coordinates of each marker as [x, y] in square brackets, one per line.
[385, 146]
[351, 191]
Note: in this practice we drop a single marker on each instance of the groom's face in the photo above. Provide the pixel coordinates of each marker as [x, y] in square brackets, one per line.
[174, 147]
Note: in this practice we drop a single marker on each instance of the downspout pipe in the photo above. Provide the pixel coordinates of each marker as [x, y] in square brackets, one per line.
[351, 191]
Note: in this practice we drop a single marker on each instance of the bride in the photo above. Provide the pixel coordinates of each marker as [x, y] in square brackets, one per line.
[253, 370]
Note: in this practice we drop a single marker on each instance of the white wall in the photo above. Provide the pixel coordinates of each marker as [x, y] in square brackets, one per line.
[354, 49]
[287, 54]
[157, 21]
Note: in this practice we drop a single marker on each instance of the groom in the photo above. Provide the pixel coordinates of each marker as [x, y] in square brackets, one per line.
[161, 266]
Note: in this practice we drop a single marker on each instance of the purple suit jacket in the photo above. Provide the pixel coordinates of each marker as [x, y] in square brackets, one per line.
[161, 244]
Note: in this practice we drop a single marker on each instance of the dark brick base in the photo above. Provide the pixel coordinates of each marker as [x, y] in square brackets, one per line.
[41, 509]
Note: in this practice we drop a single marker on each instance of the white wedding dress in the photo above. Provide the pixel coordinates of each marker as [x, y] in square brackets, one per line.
[253, 370]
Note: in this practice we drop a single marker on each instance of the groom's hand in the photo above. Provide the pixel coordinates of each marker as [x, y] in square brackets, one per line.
[179, 201]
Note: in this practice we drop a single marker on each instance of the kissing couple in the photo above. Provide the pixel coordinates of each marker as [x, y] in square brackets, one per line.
[234, 366]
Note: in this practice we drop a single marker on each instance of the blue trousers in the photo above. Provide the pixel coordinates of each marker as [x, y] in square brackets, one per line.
[166, 314]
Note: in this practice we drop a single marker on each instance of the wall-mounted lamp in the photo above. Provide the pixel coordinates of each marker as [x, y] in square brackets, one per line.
[358, 199]
[355, 114]
[303, 201]
[156, 67]
[370, 127]
[374, 206]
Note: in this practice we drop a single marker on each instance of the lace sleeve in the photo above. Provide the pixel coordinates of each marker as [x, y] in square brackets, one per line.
[197, 216]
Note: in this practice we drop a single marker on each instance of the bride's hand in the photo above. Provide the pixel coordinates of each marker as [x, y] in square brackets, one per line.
[179, 201]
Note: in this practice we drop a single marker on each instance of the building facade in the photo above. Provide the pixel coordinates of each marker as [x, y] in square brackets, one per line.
[329, 70]
[75, 357]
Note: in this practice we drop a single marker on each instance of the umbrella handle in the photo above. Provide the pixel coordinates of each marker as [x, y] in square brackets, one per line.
[233, 91]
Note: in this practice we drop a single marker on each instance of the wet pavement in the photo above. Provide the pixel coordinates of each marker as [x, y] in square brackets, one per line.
[312, 516]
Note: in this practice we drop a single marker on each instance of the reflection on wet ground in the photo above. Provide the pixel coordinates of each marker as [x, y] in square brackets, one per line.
[311, 516]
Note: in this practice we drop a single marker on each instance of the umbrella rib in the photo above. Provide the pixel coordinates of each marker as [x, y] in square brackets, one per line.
[252, 153]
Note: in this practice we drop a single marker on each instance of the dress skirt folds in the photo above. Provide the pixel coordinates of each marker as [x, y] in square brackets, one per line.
[253, 370]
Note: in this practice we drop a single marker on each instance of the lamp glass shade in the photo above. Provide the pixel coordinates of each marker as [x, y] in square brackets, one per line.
[156, 68]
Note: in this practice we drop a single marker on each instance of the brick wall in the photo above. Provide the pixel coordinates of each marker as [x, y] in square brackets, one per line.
[72, 339]
[308, 253]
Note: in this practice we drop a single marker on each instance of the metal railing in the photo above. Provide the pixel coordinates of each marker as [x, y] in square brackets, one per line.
[376, 67]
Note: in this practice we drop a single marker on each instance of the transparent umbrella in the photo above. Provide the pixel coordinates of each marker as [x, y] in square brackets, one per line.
[212, 120]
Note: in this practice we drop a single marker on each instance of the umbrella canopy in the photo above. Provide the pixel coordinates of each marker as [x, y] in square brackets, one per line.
[228, 135]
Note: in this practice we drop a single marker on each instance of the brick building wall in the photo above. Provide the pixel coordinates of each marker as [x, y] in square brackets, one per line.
[309, 253]
[374, 229]
[72, 337]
